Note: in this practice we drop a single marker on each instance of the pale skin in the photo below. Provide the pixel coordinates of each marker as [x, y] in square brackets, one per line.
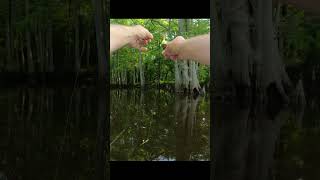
[134, 36]
[196, 48]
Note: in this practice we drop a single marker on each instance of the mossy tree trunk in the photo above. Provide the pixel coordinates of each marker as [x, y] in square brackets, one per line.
[186, 71]
[247, 59]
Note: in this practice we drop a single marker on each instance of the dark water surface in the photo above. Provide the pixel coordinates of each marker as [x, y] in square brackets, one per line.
[266, 143]
[155, 125]
[39, 139]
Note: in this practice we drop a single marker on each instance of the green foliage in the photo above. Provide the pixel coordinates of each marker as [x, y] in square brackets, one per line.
[50, 24]
[301, 35]
[163, 30]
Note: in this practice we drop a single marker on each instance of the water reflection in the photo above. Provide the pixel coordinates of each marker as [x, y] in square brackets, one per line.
[264, 143]
[41, 140]
[158, 125]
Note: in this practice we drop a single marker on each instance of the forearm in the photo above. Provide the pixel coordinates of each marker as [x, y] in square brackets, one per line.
[197, 48]
[119, 36]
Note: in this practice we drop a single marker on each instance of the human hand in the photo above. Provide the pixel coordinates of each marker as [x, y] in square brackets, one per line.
[139, 37]
[173, 49]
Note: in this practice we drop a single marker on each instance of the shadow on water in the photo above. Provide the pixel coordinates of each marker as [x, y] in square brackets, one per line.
[158, 125]
[254, 143]
[44, 136]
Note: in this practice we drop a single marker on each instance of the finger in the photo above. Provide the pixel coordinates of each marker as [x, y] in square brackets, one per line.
[145, 41]
[141, 42]
[150, 36]
[145, 34]
[143, 49]
[179, 38]
[141, 33]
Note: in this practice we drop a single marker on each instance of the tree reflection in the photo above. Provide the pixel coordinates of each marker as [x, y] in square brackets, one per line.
[255, 142]
[38, 141]
[158, 125]
[244, 141]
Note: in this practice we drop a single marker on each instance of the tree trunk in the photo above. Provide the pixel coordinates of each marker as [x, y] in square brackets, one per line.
[46, 51]
[22, 68]
[77, 38]
[38, 44]
[8, 62]
[101, 11]
[50, 48]
[272, 70]
[40, 51]
[88, 51]
[247, 56]
[194, 82]
[142, 83]
[186, 75]
[232, 34]
[194, 85]
[28, 38]
[177, 75]
[101, 37]
[134, 76]
[180, 66]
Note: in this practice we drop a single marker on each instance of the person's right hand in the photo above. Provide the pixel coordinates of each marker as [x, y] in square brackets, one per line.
[139, 37]
[173, 49]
